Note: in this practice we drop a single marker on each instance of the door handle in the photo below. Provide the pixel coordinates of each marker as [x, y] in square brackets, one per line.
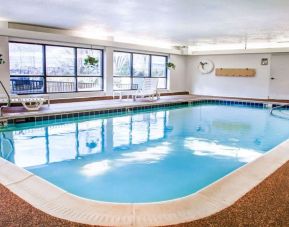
[272, 78]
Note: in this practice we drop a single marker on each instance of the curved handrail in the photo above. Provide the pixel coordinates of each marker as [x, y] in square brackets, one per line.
[277, 107]
[8, 99]
[7, 94]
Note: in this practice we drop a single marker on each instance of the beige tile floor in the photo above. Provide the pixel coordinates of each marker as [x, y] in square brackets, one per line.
[15, 112]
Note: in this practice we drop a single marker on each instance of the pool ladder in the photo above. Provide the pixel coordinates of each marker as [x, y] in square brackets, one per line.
[8, 99]
[279, 107]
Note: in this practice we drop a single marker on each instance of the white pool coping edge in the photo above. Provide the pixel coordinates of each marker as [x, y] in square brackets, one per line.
[210, 200]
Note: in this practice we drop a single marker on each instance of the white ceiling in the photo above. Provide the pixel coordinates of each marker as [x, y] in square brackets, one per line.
[176, 22]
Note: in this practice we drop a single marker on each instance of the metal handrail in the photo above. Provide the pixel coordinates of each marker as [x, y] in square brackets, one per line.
[7, 94]
[277, 107]
[8, 97]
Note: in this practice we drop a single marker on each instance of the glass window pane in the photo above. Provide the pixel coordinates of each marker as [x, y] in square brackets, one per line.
[121, 83]
[141, 65]
[121, 64]
[84, 70]
[25, 59]
[60, 61]
[138, 82]
[26, 85]
[89, 83]
[162, 83]
[158, 66]
[60, 84]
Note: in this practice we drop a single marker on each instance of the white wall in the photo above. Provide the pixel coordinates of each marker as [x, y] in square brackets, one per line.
[246, 87]
[177, 77]
[4, 69]
[186, 77]
[280, 72]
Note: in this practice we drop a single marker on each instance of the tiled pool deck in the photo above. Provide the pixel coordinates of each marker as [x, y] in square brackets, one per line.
[92, 108]
[265, 205]
[208, 201]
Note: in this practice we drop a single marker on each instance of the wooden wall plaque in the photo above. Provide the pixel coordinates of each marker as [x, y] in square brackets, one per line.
[235, 72]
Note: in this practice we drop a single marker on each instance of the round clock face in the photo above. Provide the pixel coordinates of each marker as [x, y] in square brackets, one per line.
[206, 66]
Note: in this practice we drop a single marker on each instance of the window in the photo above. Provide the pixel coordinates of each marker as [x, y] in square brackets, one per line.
[60, 84]
[25, 84]
[159, 66]
[60, 61]
[60, 66]
[141, 64]
[121, 64]
[129, 70]
[38, 68]
[83, 70]
[122, 71]
[26, 68]
[89, 77]
[159, 70]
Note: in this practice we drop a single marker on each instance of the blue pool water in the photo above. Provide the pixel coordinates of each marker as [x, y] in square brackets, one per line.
[144, 156]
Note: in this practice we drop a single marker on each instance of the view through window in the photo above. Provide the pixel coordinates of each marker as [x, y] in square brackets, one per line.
[39, 68]
[129, 70]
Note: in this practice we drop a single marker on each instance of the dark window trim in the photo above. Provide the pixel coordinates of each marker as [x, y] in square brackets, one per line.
[73, 76]
[76, 76]
[150, 67]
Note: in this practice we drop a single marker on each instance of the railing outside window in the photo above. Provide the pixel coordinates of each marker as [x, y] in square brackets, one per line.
[131, 68]
[40, 68]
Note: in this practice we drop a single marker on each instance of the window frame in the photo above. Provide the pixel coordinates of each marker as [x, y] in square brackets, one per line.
[75, 76]
[149, 71]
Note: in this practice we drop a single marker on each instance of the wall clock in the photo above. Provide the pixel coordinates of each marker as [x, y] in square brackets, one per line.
[206, 66]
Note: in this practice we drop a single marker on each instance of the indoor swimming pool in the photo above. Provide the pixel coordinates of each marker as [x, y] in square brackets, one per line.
[146, 155]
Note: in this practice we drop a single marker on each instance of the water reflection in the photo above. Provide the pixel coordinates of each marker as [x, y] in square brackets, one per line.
[201, 131]
[149, 156]
[167, 154]
[211, 148]
[56, 143]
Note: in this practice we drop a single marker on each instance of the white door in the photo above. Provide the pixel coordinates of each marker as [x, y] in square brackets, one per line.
[279, 81]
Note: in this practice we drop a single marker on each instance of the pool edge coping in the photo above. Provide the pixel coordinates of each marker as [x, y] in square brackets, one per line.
[122, 105]
[210, 200]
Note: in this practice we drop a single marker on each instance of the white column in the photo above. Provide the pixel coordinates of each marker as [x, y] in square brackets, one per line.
[4, 68]
[178, 77]
[108, 70]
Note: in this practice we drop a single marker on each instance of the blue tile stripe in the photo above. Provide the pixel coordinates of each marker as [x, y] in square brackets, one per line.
[231, 103]
[119, 111]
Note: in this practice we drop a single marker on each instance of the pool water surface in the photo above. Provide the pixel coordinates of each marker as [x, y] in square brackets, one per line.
[144, 156]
